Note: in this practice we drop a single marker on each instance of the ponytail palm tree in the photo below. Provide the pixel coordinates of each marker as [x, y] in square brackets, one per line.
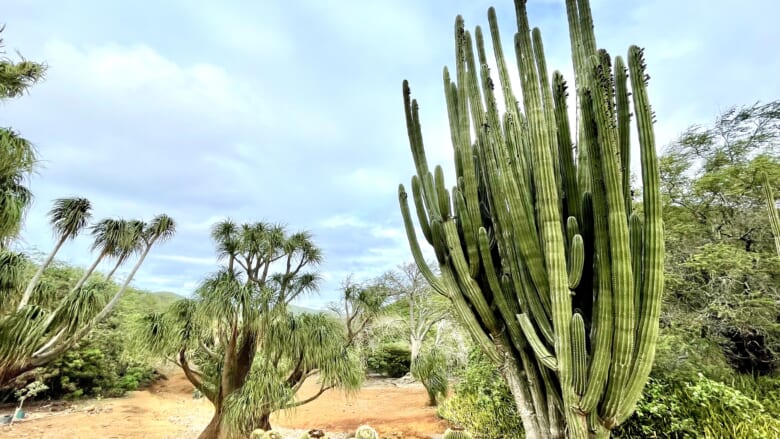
[37, 333]
[235, 340]
[69, 217]
[107, 234]
[17, 155]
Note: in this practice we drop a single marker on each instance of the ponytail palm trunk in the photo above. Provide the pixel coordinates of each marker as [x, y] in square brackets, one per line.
[541, 253]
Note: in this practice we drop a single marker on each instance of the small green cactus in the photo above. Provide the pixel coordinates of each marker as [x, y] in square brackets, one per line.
[457, 433]
[270, 434]
[366, 432]
[257, 434]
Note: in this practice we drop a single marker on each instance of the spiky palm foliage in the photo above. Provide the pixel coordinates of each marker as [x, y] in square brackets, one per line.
[17, 155]
[555, 277]
[68, 218]
[430, 368]
[54, 320]
[235, 340]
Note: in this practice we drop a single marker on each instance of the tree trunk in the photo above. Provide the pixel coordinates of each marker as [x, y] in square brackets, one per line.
[113, 270]
[88, 273]
[214, 429]
[39, 274]
[415, 346]
[522, 398]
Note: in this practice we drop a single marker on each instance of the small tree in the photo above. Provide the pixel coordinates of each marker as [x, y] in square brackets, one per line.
[241, 311]
[358, 307]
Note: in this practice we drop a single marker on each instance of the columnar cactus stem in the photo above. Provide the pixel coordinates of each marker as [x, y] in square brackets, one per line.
[554, 276]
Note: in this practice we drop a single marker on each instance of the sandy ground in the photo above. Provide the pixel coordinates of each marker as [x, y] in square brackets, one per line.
[167, 410]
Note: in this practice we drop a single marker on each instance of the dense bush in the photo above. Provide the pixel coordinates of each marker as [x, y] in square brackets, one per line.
[701, 409]
[482, 403]
[391, 359]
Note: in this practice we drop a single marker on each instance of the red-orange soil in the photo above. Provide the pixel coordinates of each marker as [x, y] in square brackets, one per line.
[167, 410]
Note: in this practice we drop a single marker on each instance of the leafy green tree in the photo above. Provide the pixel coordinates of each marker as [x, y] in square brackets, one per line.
[722, 271]
[17, 155]
[359, 306]
[237, 343]
[69, 217]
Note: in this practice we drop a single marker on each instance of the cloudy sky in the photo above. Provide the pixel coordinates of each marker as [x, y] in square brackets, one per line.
[291, 111]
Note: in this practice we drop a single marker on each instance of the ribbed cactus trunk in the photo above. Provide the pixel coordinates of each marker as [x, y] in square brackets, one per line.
[555, 276]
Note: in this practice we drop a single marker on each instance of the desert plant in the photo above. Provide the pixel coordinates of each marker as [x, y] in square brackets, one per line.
[235, 339]
[366, 432]
[542, 257]
[430, 368]
[457, 433]
[271, 434]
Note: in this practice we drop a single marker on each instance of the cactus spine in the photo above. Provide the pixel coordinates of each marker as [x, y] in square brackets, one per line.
[555, 277]
[366, 432]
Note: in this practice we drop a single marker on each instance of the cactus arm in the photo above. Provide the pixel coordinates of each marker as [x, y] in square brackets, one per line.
[571, 191]
[653, 242]
[467, 317]
[504, 305]
[572, 227]
[414, 245]
[577, 262]
[622, 277]
[549, 113]
[623, 127]
[468, 285]
[636, 230]
[601, 333]
[579, 353]
[540, 350]
[422, 215]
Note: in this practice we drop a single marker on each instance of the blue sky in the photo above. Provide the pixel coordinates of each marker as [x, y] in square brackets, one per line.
[291, 111]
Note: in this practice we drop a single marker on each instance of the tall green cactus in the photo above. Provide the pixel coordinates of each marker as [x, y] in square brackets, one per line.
[539, 251]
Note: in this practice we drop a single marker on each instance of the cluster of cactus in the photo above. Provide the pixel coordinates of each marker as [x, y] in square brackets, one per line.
[457, 433]
[366, 432]
[544, 255]
[262, 434]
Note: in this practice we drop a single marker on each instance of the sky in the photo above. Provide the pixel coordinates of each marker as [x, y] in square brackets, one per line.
[291, 111]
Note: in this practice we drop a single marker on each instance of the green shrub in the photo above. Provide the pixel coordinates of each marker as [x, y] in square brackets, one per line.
[392, 359]
[482, 403]
[701, 409]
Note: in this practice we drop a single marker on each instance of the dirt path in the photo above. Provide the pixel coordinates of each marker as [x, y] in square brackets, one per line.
[168, 411]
